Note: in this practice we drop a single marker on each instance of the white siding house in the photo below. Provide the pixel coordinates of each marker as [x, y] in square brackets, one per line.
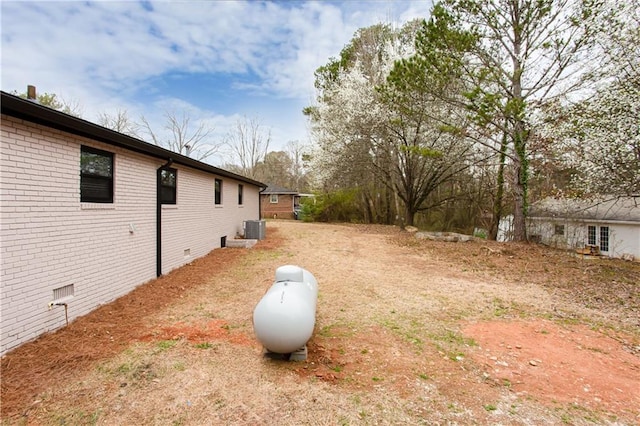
[610, 226]
[88, 214]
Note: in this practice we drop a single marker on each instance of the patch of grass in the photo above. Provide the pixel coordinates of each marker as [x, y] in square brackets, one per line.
[569, 414]
[500, 308]
[336, 330]
[454, 408]
[424, 376]
[450, 343]
[163, 345]
[179, 366]
[77, 417]
[124, 368]
[490, 407]
[456, 356]
[410, 333]
[377, 379]
[205, 345]
[337, 368]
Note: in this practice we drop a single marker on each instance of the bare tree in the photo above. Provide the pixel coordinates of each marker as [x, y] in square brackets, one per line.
[299, 155]
[249, 143]
[182, 138]
[120, 122]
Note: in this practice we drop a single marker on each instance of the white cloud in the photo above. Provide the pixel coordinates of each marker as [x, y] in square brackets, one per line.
[107, 55]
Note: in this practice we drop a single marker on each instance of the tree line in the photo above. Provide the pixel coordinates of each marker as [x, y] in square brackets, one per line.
[456, 121]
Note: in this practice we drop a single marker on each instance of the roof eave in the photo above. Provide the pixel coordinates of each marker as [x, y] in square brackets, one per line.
[23, 109]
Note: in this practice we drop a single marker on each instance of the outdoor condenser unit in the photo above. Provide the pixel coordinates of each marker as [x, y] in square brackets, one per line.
[254, 229]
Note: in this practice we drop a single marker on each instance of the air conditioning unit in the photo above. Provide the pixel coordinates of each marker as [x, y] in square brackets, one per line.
[254, 229]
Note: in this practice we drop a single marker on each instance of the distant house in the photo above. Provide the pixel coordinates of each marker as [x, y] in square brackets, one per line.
[610, 227]
[88, 214]
[277, 202]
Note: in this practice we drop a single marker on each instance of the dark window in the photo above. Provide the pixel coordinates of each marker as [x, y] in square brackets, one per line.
[168, 185]
[273, 199]
[592, 235]
[604, 238]
[96, 175]
[240, 189]
[559, 229]
[218, 191]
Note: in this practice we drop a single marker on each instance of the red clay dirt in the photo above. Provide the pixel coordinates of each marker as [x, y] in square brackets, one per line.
[554, 363]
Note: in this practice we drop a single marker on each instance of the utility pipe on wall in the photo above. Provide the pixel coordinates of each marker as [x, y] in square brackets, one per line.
[66, 311]
[159, 215]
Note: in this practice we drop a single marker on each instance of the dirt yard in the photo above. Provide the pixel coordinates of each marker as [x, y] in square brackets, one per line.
[408, 332]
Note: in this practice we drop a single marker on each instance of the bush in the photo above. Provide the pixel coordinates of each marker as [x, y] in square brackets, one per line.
[337, 206]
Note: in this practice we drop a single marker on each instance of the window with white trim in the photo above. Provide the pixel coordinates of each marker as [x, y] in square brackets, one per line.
[604, 238]
[591, 235]
[273, 199]
[559, 230]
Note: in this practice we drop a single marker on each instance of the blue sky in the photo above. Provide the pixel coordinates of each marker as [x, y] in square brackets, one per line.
[216, 60]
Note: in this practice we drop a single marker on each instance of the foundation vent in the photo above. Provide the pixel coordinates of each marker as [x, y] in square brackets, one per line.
[63, 292]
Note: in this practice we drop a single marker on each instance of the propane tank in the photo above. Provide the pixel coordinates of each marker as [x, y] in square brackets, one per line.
[284, 319]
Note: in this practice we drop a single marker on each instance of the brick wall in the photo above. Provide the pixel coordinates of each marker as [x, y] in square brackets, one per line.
[195, 224]
[49, 239]
[283, 209]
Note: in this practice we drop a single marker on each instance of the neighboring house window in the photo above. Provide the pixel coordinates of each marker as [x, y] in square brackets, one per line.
[604, 238]
[168, 185]
[96, 175]
[273, 199]
[240, 189]
[591, 233]
[559, 229]
[218, 191]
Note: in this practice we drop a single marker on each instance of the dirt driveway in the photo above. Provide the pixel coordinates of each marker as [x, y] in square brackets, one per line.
[407, 332]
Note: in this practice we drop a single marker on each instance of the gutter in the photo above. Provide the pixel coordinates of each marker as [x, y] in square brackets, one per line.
[159, 215]
[582, 220]
[24, 109]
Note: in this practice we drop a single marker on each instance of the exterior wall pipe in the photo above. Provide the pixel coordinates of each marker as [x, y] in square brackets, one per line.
[285, 317]
[159, 215]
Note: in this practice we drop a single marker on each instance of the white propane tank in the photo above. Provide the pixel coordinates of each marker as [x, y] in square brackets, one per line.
[284, 319]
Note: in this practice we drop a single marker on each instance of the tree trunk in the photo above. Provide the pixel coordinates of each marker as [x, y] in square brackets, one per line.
[409, 216]
[519, 135]
[497, 204]
[520, 203]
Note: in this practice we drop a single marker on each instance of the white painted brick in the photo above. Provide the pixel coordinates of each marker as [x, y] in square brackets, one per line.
[50, 239]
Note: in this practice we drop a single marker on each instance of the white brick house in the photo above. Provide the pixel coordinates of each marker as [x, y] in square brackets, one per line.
[87, 214]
